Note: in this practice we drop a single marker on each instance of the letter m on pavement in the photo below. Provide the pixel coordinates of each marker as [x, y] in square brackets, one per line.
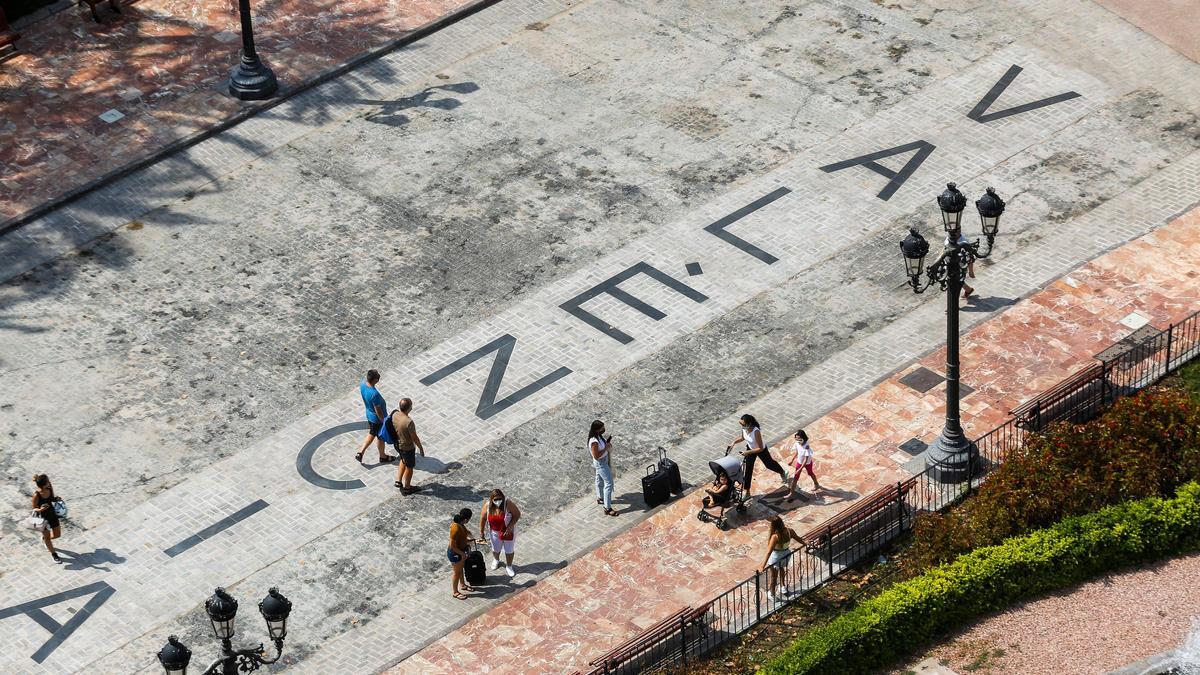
[611, 286]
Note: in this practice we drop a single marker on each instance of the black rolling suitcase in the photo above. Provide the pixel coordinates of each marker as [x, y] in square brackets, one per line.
[672, 469]
[474, 570]
[656, 486]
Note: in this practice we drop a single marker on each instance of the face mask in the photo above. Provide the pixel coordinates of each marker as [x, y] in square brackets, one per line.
[497, 503]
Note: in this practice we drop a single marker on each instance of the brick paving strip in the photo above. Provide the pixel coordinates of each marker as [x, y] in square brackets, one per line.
[671, 559]
[163, 67]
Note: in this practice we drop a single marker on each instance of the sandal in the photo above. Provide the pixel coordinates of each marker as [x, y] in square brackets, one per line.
[460, 596]
[609, 512]
[386, 458]
[359, 457]
[469, 589]
[399, 485]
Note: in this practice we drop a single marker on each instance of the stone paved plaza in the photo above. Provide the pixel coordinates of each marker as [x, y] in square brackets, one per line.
[551, 211]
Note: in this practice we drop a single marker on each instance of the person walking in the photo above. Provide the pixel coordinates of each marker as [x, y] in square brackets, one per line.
[43, 504]
[403, 432]
[778, 548]
[755, 449]
[600, 448]
[376, 412]
[801, 460]
[500, 515]
[457, 551]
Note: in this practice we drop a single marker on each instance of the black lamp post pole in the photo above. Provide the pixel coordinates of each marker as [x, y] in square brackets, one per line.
[250, 80]
[228, 658]
[952, 457]
[952, 454]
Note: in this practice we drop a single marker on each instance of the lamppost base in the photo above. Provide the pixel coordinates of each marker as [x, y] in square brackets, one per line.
[252, 81]
[948, 462]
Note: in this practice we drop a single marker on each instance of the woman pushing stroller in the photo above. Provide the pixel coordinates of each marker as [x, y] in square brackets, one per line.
[755, 449]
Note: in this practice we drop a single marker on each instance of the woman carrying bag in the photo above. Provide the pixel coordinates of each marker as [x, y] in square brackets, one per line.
[499, 521]
[47, 507]
[456, 552]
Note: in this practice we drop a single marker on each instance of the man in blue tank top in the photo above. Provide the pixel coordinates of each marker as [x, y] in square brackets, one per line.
[376, 412]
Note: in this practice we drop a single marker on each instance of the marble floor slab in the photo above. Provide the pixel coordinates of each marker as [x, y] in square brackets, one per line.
[82, 99]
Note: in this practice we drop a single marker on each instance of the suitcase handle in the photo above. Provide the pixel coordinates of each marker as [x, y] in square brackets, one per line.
[662, 453]
[651, 468]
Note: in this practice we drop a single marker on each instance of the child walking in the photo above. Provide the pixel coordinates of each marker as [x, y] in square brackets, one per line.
[800, 459]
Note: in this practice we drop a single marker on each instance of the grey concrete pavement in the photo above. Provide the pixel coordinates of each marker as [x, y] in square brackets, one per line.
[168, 374]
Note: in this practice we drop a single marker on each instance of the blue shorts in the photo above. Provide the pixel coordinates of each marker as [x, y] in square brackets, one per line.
[452, 556]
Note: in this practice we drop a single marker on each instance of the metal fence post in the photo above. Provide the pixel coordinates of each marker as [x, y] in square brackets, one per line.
[757, 596]
[899, 510]
[1167, 363]
[829, 548]
[683, 638]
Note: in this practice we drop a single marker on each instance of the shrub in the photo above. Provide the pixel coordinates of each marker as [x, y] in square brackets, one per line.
[990, 578]
[1145, 445]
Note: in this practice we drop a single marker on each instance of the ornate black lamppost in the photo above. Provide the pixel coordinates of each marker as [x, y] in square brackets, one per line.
[950, 459]
[250, 80]
[222, 609]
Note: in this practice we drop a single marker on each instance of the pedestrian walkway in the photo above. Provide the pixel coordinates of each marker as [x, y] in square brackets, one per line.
[671, 559]
[83, 99]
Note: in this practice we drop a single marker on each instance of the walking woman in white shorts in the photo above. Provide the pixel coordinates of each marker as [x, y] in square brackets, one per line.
[499, 518]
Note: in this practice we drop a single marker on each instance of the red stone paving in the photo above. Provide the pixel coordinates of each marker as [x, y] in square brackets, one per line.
[164, 65]
[671, 559]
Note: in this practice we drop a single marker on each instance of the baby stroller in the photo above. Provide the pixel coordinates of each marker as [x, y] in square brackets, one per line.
[728, 469]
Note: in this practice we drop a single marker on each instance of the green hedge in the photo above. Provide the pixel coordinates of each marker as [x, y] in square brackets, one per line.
[1146, 445]
[911, 613]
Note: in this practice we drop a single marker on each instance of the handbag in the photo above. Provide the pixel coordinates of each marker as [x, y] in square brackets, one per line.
[35, 522]
[60, 507]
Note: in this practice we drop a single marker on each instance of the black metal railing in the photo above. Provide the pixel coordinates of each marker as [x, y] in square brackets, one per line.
[872, 522]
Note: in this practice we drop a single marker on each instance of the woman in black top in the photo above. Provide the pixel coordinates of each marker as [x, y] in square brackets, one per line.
[43, 503]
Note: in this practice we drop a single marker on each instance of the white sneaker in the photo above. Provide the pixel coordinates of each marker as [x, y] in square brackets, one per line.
[495, 563]
[509, 569]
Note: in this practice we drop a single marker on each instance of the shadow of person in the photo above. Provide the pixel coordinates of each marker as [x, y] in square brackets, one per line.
[633, 502]
[433, 465]
[499, 585]
[428, 465]
[452, 493]
[833, 495]
[989, 304]
[82, 561]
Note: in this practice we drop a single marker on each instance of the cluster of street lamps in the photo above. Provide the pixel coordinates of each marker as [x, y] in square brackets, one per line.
[221, 609]
[952, 457]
